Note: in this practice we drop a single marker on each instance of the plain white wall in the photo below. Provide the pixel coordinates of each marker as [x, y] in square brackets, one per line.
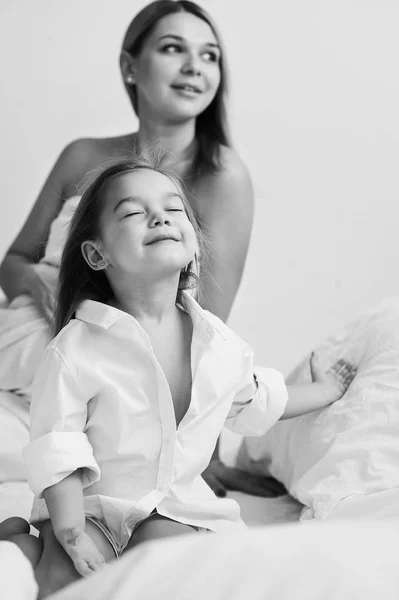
[314, 109]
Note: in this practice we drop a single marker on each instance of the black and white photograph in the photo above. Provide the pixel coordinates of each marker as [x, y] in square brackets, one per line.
[199, 300]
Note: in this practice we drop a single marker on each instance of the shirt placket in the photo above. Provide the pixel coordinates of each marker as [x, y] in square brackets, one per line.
[168, 431]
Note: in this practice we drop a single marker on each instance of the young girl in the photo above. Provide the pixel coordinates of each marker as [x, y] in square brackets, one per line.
[132, 393]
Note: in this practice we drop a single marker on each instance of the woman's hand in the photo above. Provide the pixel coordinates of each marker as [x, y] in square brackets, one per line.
[221, 478]
[336, 380]
[82, 550]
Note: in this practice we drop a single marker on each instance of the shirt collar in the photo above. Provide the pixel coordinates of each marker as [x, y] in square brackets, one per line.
[200, 318]
[103, 315]
[98, 313]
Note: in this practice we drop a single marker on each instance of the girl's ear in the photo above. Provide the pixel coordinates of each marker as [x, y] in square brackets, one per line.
[127, 64]
[93, 256]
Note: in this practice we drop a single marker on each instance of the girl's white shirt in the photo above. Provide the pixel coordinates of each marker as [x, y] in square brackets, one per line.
[101, 403]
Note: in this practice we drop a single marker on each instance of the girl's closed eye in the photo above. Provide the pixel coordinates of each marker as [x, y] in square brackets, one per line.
[133, 214]
[174, 209]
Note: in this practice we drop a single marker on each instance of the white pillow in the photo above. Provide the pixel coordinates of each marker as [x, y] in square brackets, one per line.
[351, 447]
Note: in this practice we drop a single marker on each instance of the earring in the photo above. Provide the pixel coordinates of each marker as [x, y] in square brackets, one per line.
[129, 80]
[102, 264]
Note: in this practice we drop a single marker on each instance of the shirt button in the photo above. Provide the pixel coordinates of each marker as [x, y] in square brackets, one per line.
[168, 437]
[162, 487]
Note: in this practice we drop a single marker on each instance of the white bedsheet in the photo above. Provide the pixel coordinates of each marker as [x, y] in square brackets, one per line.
[329, 561]
[15, 495]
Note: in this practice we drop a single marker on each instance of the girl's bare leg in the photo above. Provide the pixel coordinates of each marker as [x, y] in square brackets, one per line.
[52, 566]
[55, 569]
[155, 527]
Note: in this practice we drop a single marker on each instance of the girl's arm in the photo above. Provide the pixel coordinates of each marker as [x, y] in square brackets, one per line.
[64, 501]
[259, 404]
[325, 388]
[224, 203]
[59, 460]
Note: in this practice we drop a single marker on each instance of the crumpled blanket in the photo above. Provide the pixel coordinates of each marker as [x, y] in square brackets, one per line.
[24, 334]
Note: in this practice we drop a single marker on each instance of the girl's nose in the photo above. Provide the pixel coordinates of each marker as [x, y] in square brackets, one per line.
[158, 219]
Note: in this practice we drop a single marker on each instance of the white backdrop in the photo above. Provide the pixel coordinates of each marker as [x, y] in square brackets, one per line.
[314, 108]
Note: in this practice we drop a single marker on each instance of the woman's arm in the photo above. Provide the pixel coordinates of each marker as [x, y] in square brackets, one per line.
[225, 205]
[17, 275]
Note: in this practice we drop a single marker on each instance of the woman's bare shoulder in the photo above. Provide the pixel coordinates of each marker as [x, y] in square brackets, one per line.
[88, 152]
[84, 155]
[232, 171]
[231, 162]
[231, 181]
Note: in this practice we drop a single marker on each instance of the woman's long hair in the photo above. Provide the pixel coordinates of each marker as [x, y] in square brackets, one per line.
[211, 125]
[77, 281]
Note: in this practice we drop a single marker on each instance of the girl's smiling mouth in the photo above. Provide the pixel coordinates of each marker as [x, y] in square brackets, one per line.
[163, 238]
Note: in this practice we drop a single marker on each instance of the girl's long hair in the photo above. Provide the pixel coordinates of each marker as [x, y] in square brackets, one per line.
[211, 125]
[77, 281]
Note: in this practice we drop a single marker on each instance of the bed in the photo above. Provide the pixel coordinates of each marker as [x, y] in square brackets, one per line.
[337, 539]
[353, 555]
[329, 561]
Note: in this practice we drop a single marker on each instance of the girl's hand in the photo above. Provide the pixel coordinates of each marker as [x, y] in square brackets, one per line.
[336, 380]
[82, 550]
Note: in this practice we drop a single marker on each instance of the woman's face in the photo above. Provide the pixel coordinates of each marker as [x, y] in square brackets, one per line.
[177, 73]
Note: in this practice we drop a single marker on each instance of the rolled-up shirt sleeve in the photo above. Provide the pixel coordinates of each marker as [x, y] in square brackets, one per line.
[260, 402]
[59, 446]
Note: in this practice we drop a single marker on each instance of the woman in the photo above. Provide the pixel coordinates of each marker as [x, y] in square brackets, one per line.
[174, 72]
[173, 69]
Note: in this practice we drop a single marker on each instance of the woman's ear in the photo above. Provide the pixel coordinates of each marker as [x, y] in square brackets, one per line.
[126, 62]
[93, 256]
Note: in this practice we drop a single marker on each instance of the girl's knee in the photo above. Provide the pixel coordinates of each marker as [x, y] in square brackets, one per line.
[13, 526]
[30, 546]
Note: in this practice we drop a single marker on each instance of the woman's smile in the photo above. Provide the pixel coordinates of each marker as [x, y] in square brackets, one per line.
[187, 92]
